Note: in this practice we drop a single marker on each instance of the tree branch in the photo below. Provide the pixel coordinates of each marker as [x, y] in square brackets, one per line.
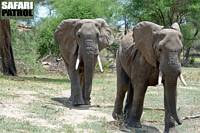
[161, 15]
[191, 117]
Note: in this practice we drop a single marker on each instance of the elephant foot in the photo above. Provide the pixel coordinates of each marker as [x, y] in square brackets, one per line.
[117, 116]
[126, 128]
[77, 100]
[134, 124]
[169, 125]
[87, 102]
[70, 99]
[170, 130]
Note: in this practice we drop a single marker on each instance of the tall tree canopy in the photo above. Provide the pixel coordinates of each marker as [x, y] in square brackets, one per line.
[86, 8]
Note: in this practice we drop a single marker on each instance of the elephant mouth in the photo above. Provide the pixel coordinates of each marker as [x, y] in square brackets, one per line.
[98, 59]
[160, 77]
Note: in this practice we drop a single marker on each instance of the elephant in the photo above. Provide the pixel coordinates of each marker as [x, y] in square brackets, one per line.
[80, 41]
[149, 55]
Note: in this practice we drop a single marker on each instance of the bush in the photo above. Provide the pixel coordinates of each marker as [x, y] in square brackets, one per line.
[192, 61]
[45, 37]
[25, 50]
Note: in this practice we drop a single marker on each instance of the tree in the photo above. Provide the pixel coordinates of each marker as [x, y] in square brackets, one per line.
[8, 64]
[84, 9]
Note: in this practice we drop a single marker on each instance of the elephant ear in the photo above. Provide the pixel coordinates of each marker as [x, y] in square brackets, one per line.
[65, 35]
[105, 38]
[144, 37]
[176, 27]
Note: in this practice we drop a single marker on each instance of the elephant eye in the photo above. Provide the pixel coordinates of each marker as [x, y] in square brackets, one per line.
[160, 50]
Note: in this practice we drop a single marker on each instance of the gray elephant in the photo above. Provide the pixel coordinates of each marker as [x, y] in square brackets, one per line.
[80, 41]
[148, 56]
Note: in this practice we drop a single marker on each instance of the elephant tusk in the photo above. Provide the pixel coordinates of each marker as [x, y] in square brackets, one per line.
[182, 80]
[160, 78]
[100, 64]
[77, 62]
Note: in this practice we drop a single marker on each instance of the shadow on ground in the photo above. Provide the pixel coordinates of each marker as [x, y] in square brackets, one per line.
[64, 101]
[147, 129]
[36, 79]
[116, 125]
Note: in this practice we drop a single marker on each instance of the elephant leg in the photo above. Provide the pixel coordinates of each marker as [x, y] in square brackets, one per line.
[76, 91]
[88, 77]
[87, 91]
[82, 82]
[137, 105]
[122, 87]
[129, 100]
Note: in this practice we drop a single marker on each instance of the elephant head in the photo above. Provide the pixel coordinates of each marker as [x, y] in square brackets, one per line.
[87, 36]
[80, 41]
[161, 47]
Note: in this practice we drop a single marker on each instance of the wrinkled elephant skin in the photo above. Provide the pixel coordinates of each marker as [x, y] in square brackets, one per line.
[80, 41]
[148, 55]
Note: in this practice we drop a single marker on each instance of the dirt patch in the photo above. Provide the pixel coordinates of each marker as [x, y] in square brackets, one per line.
[11, 110]
[77, 116]
[14, 109]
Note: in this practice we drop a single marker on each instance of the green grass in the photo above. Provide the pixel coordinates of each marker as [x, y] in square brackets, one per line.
[28, 104]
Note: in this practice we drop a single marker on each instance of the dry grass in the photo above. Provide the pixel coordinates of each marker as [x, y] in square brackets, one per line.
[37, 103]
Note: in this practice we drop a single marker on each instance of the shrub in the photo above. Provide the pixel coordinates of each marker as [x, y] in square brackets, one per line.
[192, 61]
[45, 37]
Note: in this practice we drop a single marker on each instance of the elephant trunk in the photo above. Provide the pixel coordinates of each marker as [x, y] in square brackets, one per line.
[88, 53]
[98, 58]
[170, 92]
[99, 62]
[89, 67]
[180, 77]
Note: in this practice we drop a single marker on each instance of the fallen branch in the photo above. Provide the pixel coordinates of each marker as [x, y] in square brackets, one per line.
[191, 117]
[153, 121]
[149, 108]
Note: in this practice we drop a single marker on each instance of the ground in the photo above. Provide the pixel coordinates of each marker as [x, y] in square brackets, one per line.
[38, 103]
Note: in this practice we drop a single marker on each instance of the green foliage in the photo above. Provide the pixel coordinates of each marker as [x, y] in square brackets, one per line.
[163, 12]
[84, 9]
[25, 50]
[192, 61]
[45, 36]
[188, 31]
[113, 48]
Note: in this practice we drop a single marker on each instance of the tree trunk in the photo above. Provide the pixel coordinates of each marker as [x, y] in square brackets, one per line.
[6, 53]
[187, 54]
[126, 25]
